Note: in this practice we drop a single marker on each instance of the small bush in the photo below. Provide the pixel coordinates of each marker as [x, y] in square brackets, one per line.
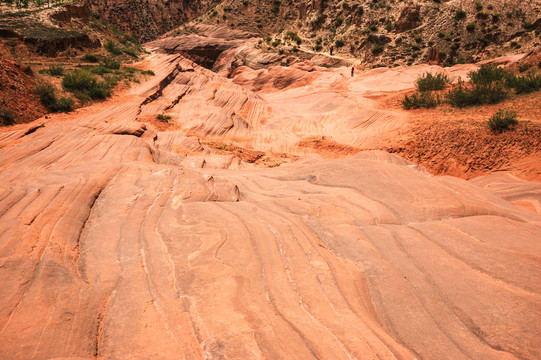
[100, 91]
[64, 104]
[463, 95]
[524, 67]
[83, 84]
[424, 99]
[148, 72]
[47, 94]
[488, 75]
[460, 14]
[93, 58]
[111, 63]
[339, 43]
[377, 49]
[79, 80]
[502, 120]
[470, 27]
[162, 117]
[429, 81]
[294, 36]
[56, 70]
[6, 117]
[100, 70]
[113, 47]
[524, 84]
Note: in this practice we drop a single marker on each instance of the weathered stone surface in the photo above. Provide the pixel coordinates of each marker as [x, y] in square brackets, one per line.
[120, 241]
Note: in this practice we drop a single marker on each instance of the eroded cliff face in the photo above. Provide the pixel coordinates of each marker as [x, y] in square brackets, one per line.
[148, 19]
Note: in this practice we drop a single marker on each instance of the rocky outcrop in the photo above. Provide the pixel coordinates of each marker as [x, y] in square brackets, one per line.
[68, 12]
[410, 18]
[127, 237]
[42, 36]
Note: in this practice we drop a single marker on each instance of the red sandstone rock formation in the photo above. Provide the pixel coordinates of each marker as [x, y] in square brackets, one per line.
[122, 241]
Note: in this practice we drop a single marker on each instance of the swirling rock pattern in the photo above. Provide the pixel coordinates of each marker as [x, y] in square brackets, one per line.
[113, 245]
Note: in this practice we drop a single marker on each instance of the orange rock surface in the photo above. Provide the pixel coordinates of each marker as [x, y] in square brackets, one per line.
[123, 237]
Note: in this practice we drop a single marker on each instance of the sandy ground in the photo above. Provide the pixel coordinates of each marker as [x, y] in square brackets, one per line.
[127, 237]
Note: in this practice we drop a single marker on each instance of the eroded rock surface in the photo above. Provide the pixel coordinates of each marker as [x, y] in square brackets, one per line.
[120, 240]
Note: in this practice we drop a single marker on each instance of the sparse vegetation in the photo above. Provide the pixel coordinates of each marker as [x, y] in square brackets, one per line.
[113, 47]
[487, 86]
[429, 81]
[47, 94]
[524, 84]
[423, 99]
[7, 117]
[93, 58]
[502, 120]
[460, 14]
[377, 49]
[163, 117]
[83, 85]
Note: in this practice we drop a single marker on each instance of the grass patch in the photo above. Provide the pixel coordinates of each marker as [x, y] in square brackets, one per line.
[502, 120]
[428, 81]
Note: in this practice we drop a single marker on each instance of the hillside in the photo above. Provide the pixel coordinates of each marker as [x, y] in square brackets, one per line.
[388, 32]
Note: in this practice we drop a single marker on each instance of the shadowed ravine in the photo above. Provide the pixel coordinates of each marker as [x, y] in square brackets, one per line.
[122, 241]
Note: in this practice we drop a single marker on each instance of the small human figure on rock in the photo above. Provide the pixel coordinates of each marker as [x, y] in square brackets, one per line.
[332, 48]
[352, 71]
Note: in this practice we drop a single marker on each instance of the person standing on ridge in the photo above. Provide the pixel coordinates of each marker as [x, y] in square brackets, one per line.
[352, 71]
[332, 48]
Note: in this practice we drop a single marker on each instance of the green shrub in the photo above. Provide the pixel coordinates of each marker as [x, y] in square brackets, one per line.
[429, 81]
[524, 67]
[294, 36]
[163, 117]
[111, 63]
[377, 49]
[83, 84]
[424, 99]
[488, 75]
[6, 117]
[100, 91]
[502, 120]
[79, 80]
[524, 84]
[113, 47]
[460, 14]
[47, 94]
[64, 104]
[148, 72]
[93, 58]
[339, 43]
[463, 95]
[100, 70]
[470, 27]
[56, 70]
